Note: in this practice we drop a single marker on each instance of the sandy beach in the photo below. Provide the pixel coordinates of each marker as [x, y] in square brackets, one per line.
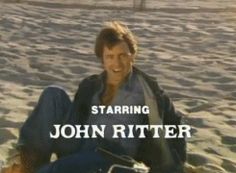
[188, 46]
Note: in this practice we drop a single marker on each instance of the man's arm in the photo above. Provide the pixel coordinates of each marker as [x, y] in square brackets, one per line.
[171, 117]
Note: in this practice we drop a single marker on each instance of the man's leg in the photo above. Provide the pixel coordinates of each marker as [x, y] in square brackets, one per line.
[81, 162]
[35, 144]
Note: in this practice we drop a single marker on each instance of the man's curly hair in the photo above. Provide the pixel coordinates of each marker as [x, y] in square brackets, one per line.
[113, 33]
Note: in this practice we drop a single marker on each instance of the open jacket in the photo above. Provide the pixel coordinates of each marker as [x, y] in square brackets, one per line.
[149, 152]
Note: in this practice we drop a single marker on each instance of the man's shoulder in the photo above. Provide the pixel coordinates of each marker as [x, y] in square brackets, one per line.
[151, 80]
[88, 86]
[92, 79]
[147, 77]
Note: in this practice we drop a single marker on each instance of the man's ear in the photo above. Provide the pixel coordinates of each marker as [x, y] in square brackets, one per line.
[133, 56]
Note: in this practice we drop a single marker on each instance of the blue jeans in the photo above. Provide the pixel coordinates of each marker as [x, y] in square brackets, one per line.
[81, 162]
[54, 108]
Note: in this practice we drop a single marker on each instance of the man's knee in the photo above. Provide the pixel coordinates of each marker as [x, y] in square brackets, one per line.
[54, 92]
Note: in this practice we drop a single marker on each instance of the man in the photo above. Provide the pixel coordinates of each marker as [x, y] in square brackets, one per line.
[120, 84]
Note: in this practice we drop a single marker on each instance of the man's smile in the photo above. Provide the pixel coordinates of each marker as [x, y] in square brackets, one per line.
[117, 70]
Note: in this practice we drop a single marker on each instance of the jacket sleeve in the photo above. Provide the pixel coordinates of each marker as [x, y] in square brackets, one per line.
[83, 98]
[171, 117]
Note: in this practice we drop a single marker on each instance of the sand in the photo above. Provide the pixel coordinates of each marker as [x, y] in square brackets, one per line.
[189, 46]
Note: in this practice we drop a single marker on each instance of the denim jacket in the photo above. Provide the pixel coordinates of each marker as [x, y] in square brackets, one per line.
[149, 152]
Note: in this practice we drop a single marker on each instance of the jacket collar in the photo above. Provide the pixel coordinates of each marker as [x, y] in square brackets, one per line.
[150, 80]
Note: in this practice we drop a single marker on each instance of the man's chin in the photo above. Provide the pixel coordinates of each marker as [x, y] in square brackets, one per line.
[115, 80]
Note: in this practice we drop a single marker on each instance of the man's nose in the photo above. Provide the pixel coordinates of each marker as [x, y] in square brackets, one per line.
[117, 62]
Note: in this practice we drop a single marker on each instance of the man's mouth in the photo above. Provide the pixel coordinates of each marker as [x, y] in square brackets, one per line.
[116, 70]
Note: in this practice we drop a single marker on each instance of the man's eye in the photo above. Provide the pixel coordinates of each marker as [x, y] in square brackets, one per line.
[109, 57]
[124, 55]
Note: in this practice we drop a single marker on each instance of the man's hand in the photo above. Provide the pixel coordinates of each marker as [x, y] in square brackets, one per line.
[14, 168]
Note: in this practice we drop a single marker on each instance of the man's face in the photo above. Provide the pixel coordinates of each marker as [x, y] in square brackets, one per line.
[117, 62]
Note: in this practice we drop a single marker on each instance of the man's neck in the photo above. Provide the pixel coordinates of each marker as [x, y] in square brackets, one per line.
[109, 94]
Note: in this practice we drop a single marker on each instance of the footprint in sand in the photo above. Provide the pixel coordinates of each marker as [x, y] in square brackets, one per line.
[42, 67]
[4, 111]
[224, 79]
[3, 62]
[5, 136]
[231, 122]
[78, 69]
[185, 82]
[31, 104]
[6, 123]
[201, 107]
[233, 148]
[233, 94]
[9, 54]
[233, 69]
[196, 122]
[197, 159]
[212, 151]
[229, 165]
[229, 140]
[225, 87]
[48, 77]
[28, 91]
[180, 68]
